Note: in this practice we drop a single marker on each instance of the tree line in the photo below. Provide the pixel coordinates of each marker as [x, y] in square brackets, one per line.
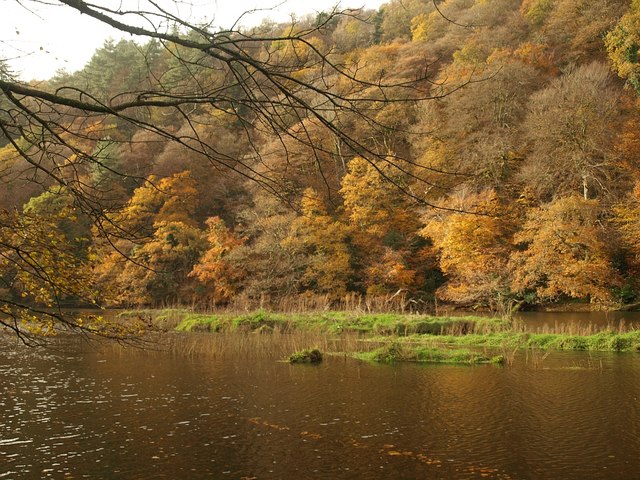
[474, 151]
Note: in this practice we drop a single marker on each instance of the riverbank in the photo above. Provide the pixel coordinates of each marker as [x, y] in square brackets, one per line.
[404, 338]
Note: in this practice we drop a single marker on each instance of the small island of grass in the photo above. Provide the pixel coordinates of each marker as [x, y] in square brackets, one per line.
[396, 352]
[306, 356]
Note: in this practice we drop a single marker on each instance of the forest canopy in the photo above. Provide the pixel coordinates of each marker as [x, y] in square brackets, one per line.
[480, 152]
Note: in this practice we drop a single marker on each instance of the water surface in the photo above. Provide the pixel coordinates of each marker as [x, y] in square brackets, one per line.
[107, 412]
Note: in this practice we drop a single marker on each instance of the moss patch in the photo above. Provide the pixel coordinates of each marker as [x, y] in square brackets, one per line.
[306, 356]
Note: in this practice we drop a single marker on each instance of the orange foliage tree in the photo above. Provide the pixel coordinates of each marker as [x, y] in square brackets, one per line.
[627, 221]
[473, 247]
[219, 277]
[563, 253]
[153, 230]
[623, 45]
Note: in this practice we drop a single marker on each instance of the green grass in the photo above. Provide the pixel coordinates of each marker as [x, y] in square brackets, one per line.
[340, 322]
[600, 342]
[396, 352]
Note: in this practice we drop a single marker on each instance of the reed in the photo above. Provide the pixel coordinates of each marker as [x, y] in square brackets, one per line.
[581, 329]
[379, 336]
[277, 345]
[398, 302]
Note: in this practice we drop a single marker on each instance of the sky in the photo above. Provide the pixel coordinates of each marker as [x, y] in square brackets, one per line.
[39, 37]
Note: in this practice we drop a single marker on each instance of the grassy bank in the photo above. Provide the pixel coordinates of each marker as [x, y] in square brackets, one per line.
[332, 323]
[396, 337]
[599, 342]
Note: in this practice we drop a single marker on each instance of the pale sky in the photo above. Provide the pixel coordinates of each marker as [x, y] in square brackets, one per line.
[39, 37]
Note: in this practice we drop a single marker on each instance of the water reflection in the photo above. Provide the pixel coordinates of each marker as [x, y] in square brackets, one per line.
[113, 413]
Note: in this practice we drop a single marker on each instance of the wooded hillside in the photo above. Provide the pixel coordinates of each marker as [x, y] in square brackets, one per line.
[512, 175]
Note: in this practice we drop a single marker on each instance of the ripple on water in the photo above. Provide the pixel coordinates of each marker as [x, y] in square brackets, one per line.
[167, 416]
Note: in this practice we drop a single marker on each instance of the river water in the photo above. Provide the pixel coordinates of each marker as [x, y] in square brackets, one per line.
[86, 411]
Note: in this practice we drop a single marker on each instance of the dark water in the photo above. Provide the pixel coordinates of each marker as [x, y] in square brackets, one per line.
[112, 413]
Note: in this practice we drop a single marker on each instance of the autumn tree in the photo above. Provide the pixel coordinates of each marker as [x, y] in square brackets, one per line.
[571, 127]
[626, 219]
[324, 243]
[563, 252]
[220, 278]
[157, 272]
[474, 134]
[574, 28]
[39, 274]
[168, 199]
[273, 267]
[473, 247]
[396, 18]
[537, 11]
[56, 206]
[18, 179]
[353, 32]
[391, 143]
[310, 157]
[623, 46]
[152, 244]
[444, 29]
[384, 222]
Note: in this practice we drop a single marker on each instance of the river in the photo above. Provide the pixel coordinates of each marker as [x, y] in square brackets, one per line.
[102, 411]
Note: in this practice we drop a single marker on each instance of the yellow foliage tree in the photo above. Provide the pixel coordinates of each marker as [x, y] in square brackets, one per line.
[324, 242]
[385, 224]
[158, 271]
[42, 272]
[154, 229]
[420, 27]
[564, 253]
[169, 199]
[47, 271]
[373, 202]
[627, 221]
[623, 45]
[473, 249]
